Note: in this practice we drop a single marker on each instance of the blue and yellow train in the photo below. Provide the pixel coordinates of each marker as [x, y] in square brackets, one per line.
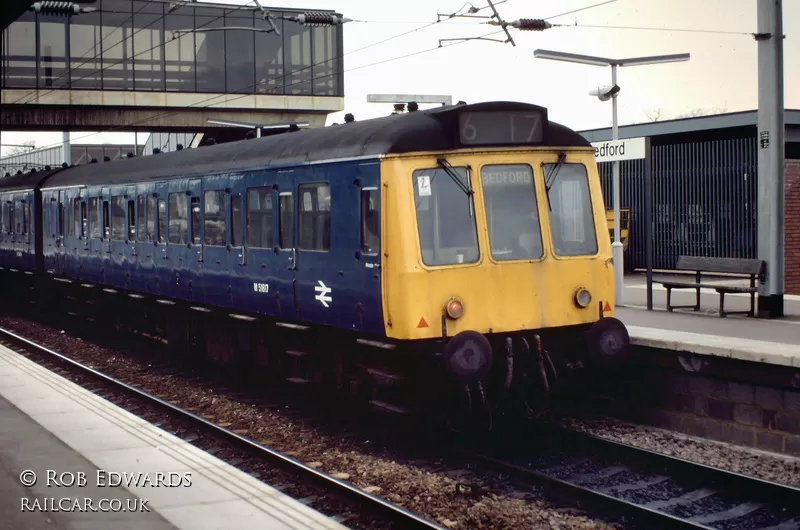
[455, 258]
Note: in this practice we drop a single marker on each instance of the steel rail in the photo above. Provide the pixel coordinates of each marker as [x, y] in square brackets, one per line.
[644, 461]
[387, 509]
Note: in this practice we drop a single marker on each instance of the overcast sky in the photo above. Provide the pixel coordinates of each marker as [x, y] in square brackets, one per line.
[721, 75]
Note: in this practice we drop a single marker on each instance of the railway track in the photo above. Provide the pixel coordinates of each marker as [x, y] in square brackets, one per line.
[644, 488]
[396, 516]
[648, 489]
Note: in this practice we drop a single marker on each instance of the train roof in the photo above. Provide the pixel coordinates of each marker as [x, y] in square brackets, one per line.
[426, 130]
[25, 181]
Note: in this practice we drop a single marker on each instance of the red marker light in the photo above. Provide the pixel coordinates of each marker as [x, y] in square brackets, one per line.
[454, 308]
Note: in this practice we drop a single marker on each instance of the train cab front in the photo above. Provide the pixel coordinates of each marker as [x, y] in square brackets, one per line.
[499, 261]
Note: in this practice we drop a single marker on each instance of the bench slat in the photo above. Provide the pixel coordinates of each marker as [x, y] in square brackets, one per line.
[735, 289]
[682, 284]
[728, 265]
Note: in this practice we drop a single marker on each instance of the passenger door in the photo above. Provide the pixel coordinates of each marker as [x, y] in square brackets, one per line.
[131, 254]
[182, 263]
[285, 254]
[364, 281]
[50, 240]
[219, 262]
[117, 267]
[63, 228]
[261, 258]
[318, 268]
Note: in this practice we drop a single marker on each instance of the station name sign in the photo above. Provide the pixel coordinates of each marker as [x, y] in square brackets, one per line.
[628, 149]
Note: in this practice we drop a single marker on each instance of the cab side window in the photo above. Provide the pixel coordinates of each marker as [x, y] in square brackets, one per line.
[370, 221]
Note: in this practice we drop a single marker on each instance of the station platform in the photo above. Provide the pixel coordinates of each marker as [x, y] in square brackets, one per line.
[62, 433]
[703, 332]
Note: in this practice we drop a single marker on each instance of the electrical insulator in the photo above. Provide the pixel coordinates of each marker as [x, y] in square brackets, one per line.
[318, 19]
[531, 24]
[55, 7]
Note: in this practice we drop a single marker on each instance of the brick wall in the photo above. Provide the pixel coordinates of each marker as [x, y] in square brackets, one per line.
[792, 228]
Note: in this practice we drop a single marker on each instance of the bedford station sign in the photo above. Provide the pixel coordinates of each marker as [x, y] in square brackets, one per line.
[628, 149]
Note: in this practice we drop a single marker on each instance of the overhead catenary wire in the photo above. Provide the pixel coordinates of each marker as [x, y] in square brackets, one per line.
[643, 28]
[581, 9]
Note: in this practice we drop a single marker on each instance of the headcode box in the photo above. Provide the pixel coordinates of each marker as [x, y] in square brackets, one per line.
[628, 149]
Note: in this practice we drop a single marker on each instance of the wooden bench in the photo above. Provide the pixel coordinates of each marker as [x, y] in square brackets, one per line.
[743, 267]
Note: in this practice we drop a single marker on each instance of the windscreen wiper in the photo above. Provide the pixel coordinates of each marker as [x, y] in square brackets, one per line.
[466, 188]
[550, 178]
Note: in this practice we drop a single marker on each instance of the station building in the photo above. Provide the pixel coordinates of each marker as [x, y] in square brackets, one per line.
[704, 173]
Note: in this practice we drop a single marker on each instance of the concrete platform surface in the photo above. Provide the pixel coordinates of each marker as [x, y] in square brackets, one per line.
[49, 424]
[635, 296]
[735, 328]
[703, 332]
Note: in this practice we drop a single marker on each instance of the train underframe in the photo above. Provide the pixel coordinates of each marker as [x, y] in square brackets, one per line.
[462, 382]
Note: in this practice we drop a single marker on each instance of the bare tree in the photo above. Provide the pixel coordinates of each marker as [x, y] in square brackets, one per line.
[24, 147]
[702, 112]
[655, 114]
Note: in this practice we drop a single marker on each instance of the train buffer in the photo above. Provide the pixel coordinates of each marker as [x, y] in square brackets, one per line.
[751, 268]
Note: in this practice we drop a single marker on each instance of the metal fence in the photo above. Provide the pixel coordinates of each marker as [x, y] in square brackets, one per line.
[705, 201]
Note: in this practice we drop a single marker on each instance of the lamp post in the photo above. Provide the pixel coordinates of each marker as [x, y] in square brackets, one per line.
[605, 95]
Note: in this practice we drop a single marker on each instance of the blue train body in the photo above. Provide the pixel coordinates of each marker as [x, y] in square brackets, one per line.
[162, 238]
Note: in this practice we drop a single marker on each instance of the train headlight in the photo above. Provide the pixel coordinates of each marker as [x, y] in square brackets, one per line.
[582, 297]
[454, 308]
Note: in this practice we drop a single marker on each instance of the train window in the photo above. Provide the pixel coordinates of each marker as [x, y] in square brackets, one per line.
[178, 219]
[286, 216]
[61, 214]
[512, 213]
[118, 211]
[19, 217]
[571, 217]
[236, 220]
[370, 221]
[151, 218]
[26, 217]
[214, 217]
[196, 220]
[131, 220]
[106, 220]
[8, 217]
[94, 218]
[84, 220]
[76, 217]
[448, 233]
[141, 219]
[314, 217]
[162, 221]
[68, 219]
[261, 217]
